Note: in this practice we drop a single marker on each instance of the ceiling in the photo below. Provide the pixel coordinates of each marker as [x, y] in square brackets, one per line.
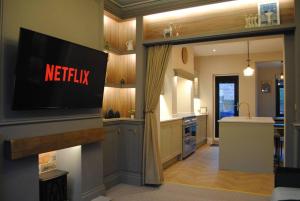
[126, 3]
[239, 47]
[131, 8]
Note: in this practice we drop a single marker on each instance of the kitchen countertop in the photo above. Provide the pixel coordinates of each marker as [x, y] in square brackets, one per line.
[122, 120]
[265, 120]
[180, 116]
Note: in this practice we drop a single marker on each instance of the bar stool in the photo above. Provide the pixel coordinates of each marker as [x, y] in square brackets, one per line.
[278, 142]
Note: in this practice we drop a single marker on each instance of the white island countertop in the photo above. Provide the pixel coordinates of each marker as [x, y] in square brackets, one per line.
[264, 120]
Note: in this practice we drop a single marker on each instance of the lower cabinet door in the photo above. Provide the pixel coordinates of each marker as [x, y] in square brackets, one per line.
[111, 150]
[131, 150]
[170, 139]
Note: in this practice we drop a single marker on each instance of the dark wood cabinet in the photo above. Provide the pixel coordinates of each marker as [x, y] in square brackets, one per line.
[53, 186]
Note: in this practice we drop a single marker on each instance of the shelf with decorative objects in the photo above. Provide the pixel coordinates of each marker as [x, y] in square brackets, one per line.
[212, 19]
[119, 52]
[119, 91]
[278, 29]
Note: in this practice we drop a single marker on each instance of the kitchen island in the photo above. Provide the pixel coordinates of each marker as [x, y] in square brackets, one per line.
[246, 144]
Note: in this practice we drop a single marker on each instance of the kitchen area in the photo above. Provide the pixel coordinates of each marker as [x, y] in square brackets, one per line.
[216, 122]
[183, 125]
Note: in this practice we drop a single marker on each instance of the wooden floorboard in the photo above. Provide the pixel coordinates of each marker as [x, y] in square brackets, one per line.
[202, 169]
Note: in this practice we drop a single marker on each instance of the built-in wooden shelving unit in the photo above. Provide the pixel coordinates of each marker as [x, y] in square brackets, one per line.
[207, 21]
[117, 32]
[121, 67]
[119, 91]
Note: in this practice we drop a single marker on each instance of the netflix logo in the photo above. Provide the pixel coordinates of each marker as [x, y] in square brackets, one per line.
[55, 73]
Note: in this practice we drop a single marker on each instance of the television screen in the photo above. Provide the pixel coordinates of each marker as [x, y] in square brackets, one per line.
[54, 73]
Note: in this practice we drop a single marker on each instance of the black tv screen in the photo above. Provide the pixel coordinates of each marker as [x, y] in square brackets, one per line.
[54, 73]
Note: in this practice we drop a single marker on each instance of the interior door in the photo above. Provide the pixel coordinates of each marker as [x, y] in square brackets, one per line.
[226, 98]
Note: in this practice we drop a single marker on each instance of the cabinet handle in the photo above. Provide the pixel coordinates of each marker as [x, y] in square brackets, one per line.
[119, 131]
[132, 130]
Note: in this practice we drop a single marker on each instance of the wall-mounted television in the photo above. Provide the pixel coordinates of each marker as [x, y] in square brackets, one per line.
[55, 74]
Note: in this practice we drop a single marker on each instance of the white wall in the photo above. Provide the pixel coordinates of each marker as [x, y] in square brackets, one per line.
[174, 88]
[267, 72]
[176, 58]
[184, 96]
[209, 66]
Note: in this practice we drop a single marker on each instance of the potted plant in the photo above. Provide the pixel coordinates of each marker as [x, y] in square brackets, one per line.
[131, 113]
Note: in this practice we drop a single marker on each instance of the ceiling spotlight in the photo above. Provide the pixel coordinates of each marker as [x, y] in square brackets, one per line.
[214, 50]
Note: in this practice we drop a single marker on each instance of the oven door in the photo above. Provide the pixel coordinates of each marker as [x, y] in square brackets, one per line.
[189, 140]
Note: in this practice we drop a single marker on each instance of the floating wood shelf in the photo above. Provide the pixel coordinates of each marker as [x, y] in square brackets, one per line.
[120, 85]
[120, 52]
[23, 147]
[121, 65]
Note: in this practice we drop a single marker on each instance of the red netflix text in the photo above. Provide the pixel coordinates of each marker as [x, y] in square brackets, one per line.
[55, 73]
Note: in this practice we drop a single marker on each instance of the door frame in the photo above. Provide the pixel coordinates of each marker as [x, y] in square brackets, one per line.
[214, 99]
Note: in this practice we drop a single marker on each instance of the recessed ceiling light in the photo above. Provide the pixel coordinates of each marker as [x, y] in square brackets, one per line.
[214, 50]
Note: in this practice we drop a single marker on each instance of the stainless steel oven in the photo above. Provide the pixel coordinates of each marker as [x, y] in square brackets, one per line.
[189, 131]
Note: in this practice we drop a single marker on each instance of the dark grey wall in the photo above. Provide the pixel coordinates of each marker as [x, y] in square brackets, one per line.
[297, 80]
[267, 72]
[20, 178]
[78, 21]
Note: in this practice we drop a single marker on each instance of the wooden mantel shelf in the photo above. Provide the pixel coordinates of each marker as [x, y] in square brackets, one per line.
[23, 147]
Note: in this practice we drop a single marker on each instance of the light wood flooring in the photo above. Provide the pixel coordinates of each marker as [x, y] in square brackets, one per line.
[202, 169]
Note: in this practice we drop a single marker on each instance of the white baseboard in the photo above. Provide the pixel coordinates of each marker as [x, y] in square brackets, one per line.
[93, 193]
[131, 178]
[210, 140]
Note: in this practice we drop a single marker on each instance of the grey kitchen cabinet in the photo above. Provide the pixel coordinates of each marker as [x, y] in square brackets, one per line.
[122, 152]
[170, 140]
[111, 150]
[201, 136]
[131, 149]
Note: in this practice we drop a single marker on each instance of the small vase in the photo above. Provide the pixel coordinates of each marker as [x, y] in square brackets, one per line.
[117, 114]
[132, 116]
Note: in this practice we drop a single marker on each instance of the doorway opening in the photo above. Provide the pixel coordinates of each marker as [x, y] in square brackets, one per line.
[219, 87]
[226, 98]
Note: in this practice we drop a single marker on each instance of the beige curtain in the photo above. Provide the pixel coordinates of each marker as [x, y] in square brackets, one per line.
[157, 61]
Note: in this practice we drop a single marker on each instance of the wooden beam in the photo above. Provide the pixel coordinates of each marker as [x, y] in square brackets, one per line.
[23, 147]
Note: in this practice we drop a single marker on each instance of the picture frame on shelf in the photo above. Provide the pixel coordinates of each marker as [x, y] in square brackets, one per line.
[269, 13]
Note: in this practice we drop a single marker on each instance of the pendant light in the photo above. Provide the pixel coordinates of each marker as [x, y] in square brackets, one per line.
[248, 71]
[281, 76]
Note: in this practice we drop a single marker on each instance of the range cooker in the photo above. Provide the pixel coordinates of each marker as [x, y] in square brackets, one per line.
[189, 129]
